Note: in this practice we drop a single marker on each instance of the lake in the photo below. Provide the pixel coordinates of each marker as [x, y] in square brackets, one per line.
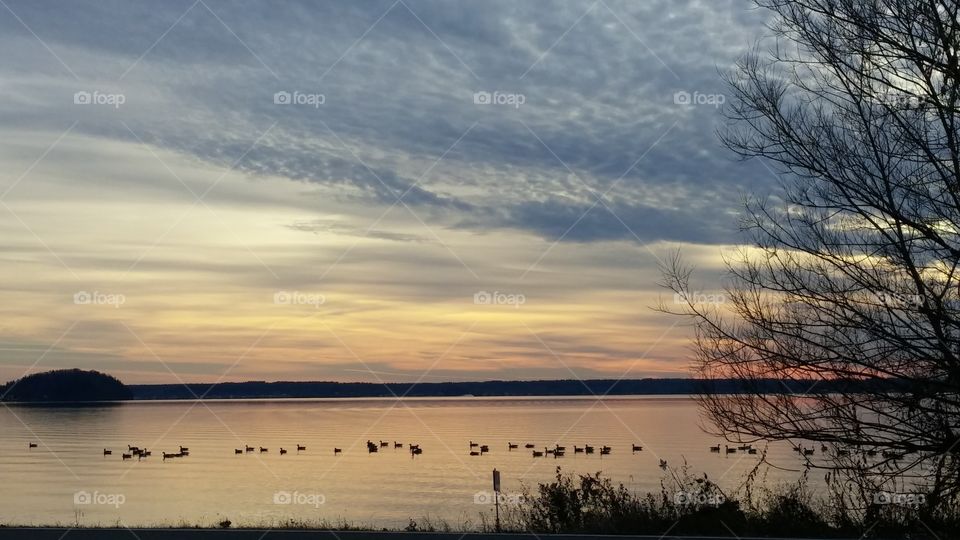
[66, 479]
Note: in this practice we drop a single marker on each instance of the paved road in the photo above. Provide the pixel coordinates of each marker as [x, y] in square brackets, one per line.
[55, 533]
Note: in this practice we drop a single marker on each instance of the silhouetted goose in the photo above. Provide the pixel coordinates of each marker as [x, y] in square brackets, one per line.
[336, 451]
[184, 449]
[605, 450]
[416, 451]
[588, 449]
[133, 449]
[301, 448]
[167, 455]
[577, 449]
[537, 454]
[808, 451]
[282, 451]
[558, 453]
[715, 448]
[484, 448]
[237, 451]
[547, 450]
[511, 446]
[145, 453]
[473, 444]
[264, 450]
[414, 446]
[372, 449]
[126, 456]
[560, 448]
[31, 445]
[529, 445]
[384, 444]
[397, 445]
[474, 453]
[248, 448]
[729, 450]
[637, 448]
[107, 452]
[663, 464]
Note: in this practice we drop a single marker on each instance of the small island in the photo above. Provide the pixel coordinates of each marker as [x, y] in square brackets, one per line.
[65, 386]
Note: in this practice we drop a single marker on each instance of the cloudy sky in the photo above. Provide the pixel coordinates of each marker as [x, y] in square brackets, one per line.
[373, 190]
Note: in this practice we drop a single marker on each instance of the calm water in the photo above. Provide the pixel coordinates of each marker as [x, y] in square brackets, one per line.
[383, 489]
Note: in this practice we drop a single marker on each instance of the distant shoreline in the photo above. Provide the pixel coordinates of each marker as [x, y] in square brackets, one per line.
[484, 389]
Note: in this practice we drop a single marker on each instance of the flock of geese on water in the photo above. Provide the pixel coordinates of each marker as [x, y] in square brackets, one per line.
[477, 449]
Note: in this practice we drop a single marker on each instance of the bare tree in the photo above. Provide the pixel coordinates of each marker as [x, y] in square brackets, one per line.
[851, 274]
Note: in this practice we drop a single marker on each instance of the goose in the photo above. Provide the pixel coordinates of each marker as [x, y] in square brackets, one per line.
[384, 444]
[547, 450]
[414, 446]
[605, 451]
[808, 451]
[416, 451]
[126, 456]
[588, 449]
[301, 448]
[577, 449]
[336, 450]
[484, 448]
[558, 453]
[560, 448]
[184, 449]
[715, 449]
[248, 448]
[473, 444]
[282, 451]
[511, 446]
[752, 451]
[132, 449]
[165, 456]
[537, 454]
[32, 445]
[146, 453]
[107, 452]
[637, 448]
[663, 464]
[372, 449]
[397, 445]
[729, 450]
[529, 445]
[474, 453]
[264, 450]
[237, 451]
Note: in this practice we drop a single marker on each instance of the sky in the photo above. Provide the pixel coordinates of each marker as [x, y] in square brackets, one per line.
[397, 190]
